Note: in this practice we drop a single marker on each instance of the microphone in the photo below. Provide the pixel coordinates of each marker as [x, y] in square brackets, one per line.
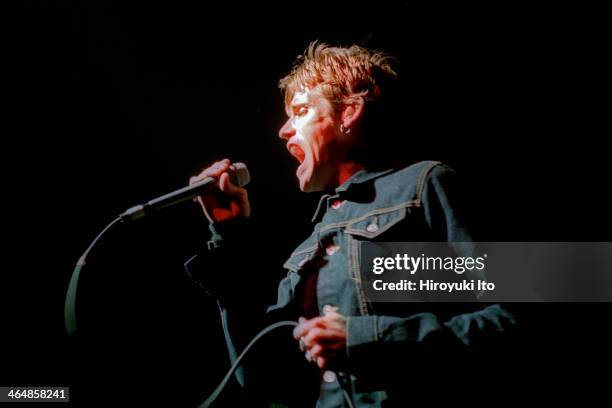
[239, 175]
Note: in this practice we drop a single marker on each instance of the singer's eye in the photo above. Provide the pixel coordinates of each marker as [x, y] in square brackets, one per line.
[301, 111]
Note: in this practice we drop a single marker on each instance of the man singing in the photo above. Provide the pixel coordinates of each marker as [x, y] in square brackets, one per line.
[363, 353]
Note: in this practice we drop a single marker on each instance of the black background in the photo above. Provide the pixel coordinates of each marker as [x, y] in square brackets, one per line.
[114, 103]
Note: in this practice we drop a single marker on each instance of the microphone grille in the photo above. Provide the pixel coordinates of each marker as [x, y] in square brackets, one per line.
[241, 176]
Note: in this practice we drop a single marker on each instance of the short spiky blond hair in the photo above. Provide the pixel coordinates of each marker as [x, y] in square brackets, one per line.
[341, 73]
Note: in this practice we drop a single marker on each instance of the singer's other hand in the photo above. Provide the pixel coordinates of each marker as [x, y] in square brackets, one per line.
[228, 203]
[323, 339]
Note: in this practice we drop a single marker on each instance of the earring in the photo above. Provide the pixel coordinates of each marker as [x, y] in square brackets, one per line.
[345, 130]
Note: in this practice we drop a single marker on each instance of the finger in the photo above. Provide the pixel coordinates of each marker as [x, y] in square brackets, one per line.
[316, 350]
[322, 362]
[298, 328]
[238, 194]
[215, 170]
[314, 336]
[229, 188]
[334, 321]
[306, 326]
[218, 168]
[332, 339]
[308, 356]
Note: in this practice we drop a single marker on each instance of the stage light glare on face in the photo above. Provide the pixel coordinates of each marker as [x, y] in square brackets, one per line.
[312, 135]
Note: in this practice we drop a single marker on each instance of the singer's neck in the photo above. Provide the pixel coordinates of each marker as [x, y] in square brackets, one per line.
[346, 171]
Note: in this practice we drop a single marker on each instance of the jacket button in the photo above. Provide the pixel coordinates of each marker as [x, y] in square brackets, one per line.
[337, 204]
[329, 376]
[373, 227]
[331, 249]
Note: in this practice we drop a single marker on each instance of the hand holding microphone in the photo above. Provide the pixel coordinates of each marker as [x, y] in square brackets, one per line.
[230, 200]
[218, 190]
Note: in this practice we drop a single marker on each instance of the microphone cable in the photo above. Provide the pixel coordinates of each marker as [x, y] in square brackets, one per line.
[215, 394]
[284, 323]
[70, 320]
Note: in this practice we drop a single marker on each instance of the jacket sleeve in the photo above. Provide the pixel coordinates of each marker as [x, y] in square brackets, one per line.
[450, 328]
[225, 270]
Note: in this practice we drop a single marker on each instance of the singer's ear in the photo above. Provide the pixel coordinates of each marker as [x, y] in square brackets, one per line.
[352, 112]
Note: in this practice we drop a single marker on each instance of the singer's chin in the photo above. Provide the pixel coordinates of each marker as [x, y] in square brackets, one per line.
[304, 175]
[309, 183]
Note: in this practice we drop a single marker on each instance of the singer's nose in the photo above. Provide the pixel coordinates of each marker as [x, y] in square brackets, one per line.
[286, 131]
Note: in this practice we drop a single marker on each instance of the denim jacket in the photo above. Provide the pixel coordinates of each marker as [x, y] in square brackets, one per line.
[416, 203]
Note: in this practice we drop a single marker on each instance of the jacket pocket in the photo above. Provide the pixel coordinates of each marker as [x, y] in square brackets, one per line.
[376, 222]
[302, 254]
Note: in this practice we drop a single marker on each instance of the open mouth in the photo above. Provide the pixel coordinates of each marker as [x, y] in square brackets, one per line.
[296, 152]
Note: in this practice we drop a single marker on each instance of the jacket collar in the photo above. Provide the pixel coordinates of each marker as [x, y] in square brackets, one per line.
[350, 186]
[360, 177]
